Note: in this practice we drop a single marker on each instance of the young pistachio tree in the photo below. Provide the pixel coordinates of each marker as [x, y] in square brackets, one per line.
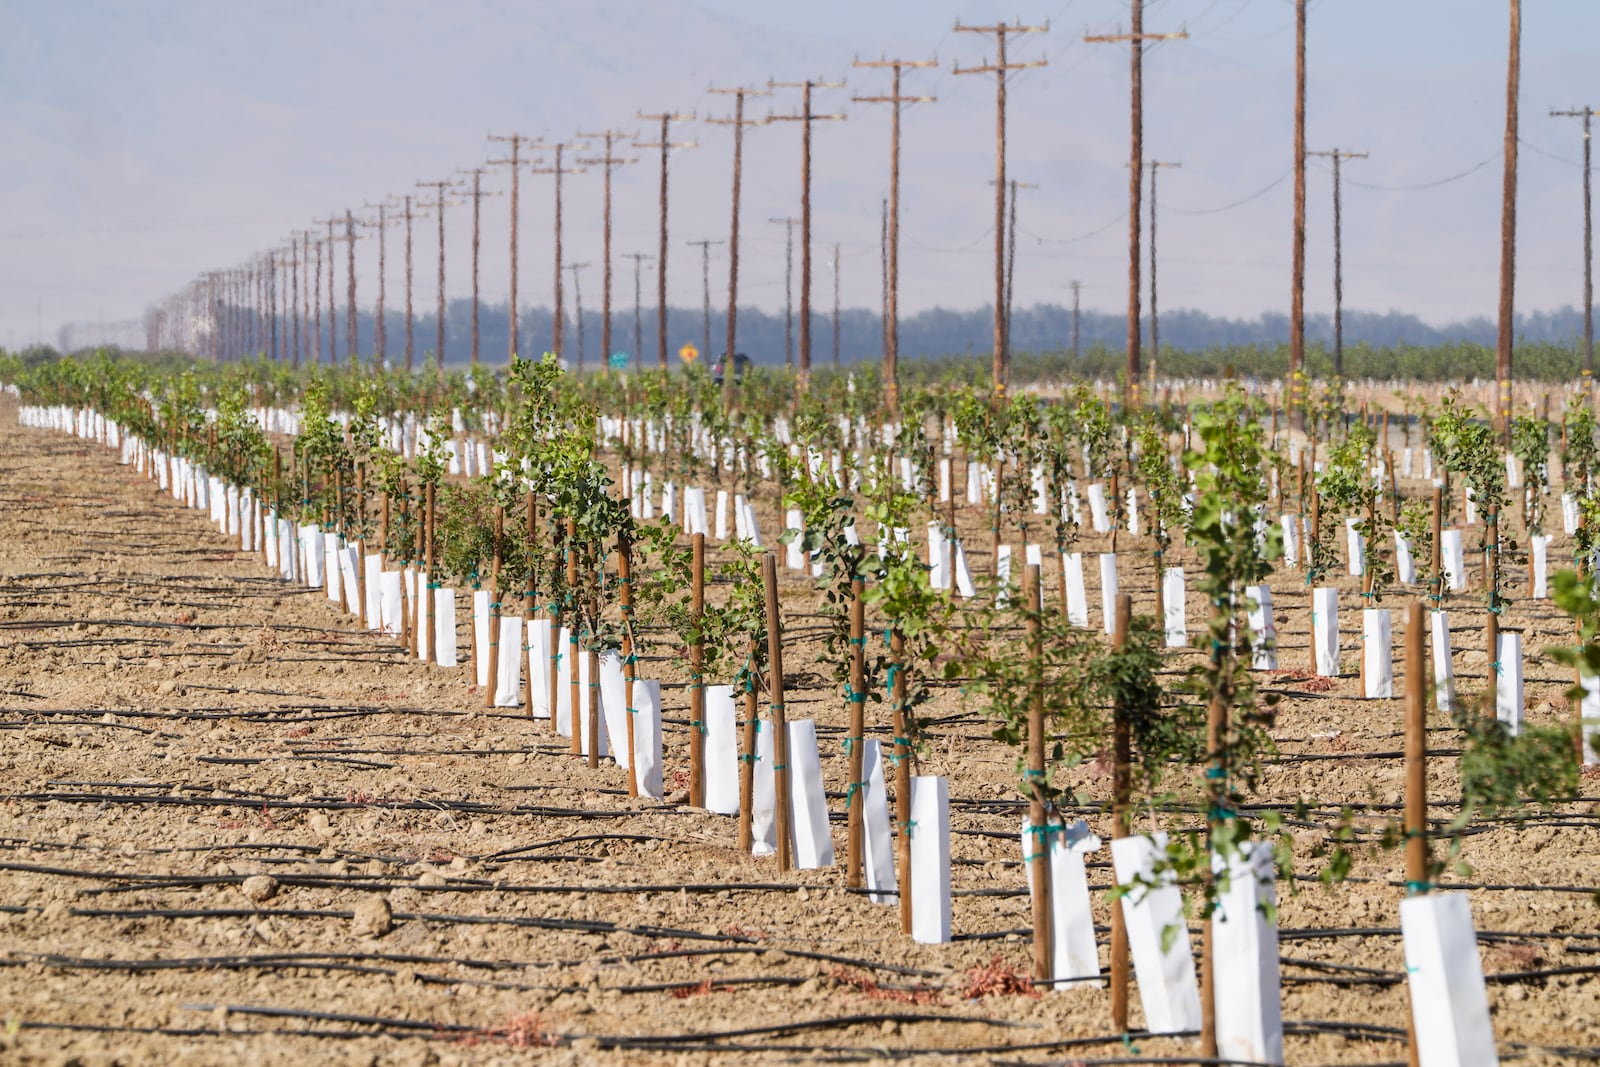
[1347, 487]
[1530, 443]
[1164, 489]
[242, 450]
[1467, 446]
[1579, 455]
[1230, 493]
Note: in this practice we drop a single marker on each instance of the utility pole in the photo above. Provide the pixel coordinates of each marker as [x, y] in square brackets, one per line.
[608, 162]
[806, 117]
[788, 289]
[738, 122]
[439, 204]
[705, 287]
[272, 303]
[639, 259]
[1338, 257]
[477, 195]
[333, 317]
[352, 349]
[1155, 313]
[516, 141]
[836, 305]
[883, 271]
[294, 300]
[559, 170]
[1298, 386]
[1011, 250]
[1586, 114]
[891, 330]
[1135, 39]
[666, 145]
[577, 296]
[305, 292]
[380, 332]
[1076, 286]
[1508, 228]
[1000, 68]
[411, 319]
[316, 309]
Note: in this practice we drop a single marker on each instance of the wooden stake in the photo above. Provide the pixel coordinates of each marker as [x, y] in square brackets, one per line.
[427, 573]
[697, 682]
[594, 708]
[780, 733]
[1038, 839]
[1121, 793]
[494, 609]
[576, 747]
[1416, 742]
[747, 761]
[855, 793]
[529, 607]
[629, 671]
[902, 777]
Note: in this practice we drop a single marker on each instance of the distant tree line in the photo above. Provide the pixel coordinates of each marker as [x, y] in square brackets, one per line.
[940, 332]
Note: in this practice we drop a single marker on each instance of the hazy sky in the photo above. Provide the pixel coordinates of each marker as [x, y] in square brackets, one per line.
[149, 141]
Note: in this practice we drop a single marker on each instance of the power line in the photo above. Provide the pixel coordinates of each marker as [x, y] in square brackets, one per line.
[1257, 195]
[1497, 154]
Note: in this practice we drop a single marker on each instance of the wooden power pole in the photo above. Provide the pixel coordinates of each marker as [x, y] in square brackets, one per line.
[1298, 392]
[477, 194]
[1000, 68]
[666, 145]
[607, 162]
[788, 289]
[1586, 113]
[639, 259]
[1338, 256]
[380, 332]
[577, 296]
[1155, 314]
[836, 305]
[738, 122]
[441, 201]
[352, 350]
[806, 117]
[705, 289]
[559, 170]
[1508, 230]
[514, 161]
[1136, 39]
[891, 330]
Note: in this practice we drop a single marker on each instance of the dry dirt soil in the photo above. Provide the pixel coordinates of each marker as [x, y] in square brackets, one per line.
[236, 828]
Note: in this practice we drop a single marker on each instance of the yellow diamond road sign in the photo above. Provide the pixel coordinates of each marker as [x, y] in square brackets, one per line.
[688, 353]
